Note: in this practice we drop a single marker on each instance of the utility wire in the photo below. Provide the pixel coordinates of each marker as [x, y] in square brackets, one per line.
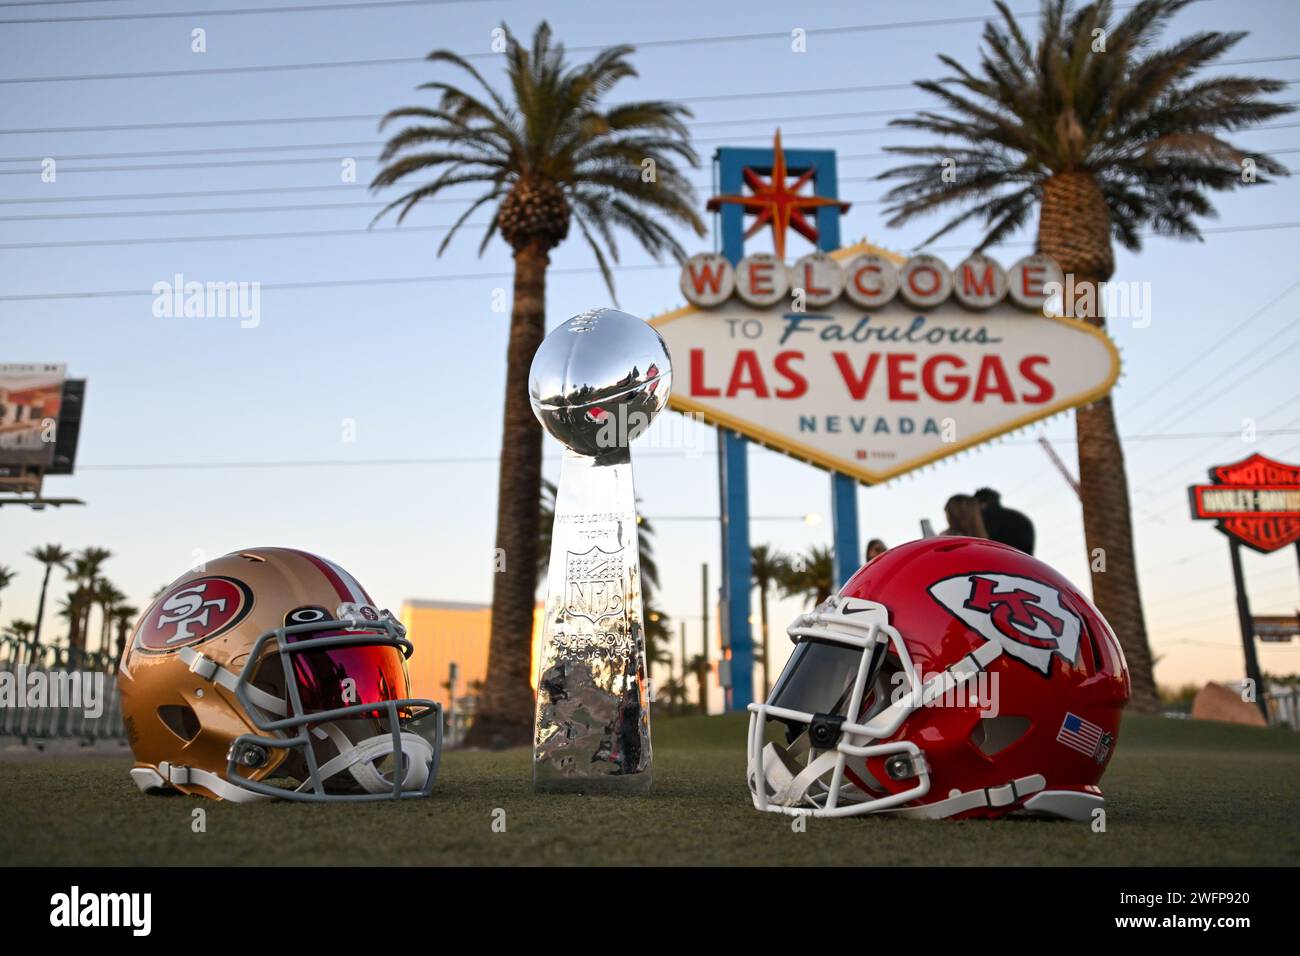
[453, 277]
[375, 144]
[591, 48]
[399, 230]
[389, 462]
[246, 11]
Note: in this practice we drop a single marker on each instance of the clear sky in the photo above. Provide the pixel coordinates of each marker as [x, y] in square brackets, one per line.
[179, 409]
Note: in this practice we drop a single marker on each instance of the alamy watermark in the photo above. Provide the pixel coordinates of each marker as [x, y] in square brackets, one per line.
[177, 299]
[34, 689]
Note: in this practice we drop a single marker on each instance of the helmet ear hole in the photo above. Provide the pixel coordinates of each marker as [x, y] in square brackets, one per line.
[993, 735]
[180, 720]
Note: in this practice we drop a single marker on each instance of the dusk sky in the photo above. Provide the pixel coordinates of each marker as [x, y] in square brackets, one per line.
[202, 437]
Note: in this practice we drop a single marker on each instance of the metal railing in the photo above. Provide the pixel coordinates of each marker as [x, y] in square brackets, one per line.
[1284, 707]
[47, 694]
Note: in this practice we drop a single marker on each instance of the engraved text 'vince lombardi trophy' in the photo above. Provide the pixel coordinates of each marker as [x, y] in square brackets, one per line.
[596, 383]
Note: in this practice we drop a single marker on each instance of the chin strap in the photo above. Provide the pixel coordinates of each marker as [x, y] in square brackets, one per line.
[209, 670]
[146, 778]
[957, 802]
[359, 759]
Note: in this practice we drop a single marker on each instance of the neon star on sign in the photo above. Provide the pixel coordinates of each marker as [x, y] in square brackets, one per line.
[777, 202]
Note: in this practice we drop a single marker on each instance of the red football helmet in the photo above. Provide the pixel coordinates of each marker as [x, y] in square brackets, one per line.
[951, 677]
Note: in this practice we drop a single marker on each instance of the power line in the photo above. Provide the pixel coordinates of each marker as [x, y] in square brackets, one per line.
[1215, 348]
[375, 117]
[276, 190]
[54, 3]
[451, 277]
[397, 230]
[371, 144]
[233, 237]
[1186, 410]
[306, 160]
[193, 194]
[591, 48]
[247, 11]
[387, 462]
[317, 8]
[243, 210]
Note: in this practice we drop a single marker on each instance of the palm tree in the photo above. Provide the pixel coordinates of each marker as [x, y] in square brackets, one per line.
[107, 596]
[87, 565]
[673, 693]
[809, 576]
[82, 572]
[52, 556]
[7, 575]
[124, 616]
[768, 567]
[547, 153]
[700, 664]
[1106, 133]
[22, 632]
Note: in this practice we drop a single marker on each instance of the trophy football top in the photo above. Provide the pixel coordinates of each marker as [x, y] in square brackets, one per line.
[598, 380]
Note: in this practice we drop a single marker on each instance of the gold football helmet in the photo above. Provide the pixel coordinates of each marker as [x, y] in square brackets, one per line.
[269, 673]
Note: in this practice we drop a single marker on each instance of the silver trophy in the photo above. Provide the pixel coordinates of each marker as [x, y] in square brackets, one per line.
[596, 383]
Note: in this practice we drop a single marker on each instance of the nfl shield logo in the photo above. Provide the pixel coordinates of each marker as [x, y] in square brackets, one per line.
[594, 584]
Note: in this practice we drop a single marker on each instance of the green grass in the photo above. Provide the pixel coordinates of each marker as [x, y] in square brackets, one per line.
[1178, 793]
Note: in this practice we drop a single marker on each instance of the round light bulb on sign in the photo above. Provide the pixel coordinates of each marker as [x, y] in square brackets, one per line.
[925, 281]
[761, 280]
[707, 279]
[820, 277]
[870, 280]
[1029, 279]
[979, 282]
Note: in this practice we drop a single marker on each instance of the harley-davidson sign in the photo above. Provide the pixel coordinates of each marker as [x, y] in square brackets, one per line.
[1256, 501]
[870, 364]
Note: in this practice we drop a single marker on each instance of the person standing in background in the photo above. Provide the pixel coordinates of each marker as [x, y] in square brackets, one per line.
[1005, 524]
[964, 518]
[875, 548]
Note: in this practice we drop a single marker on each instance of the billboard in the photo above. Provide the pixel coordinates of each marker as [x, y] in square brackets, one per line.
[31, 397]
[872, 365]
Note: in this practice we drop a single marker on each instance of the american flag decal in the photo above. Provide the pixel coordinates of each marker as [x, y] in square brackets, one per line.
[1079, 734]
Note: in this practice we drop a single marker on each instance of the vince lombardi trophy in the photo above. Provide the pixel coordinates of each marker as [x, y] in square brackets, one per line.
[596, 383]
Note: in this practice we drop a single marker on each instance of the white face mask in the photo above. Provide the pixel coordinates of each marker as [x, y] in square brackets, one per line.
[836, 701]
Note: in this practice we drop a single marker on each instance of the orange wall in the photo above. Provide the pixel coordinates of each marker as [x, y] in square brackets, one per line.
[446, 631]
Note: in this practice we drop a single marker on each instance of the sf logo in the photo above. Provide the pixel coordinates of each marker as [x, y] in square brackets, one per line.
[187, 609]
[1015, 613]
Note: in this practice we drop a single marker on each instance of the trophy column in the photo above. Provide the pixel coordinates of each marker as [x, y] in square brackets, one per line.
[596, 383]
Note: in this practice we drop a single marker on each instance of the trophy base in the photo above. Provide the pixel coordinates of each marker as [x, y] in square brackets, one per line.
[592, 728]
[622, 783]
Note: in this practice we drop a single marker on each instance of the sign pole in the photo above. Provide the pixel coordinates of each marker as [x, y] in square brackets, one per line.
[735, 670]
[844, 518]
[1247, 628]
[844, 489]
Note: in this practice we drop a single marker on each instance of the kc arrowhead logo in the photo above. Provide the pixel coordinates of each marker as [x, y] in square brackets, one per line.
[1023, 615]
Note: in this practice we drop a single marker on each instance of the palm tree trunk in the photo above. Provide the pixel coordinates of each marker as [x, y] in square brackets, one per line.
[40, 607]
[767, 645]
[1074, 229]
[505, 715]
